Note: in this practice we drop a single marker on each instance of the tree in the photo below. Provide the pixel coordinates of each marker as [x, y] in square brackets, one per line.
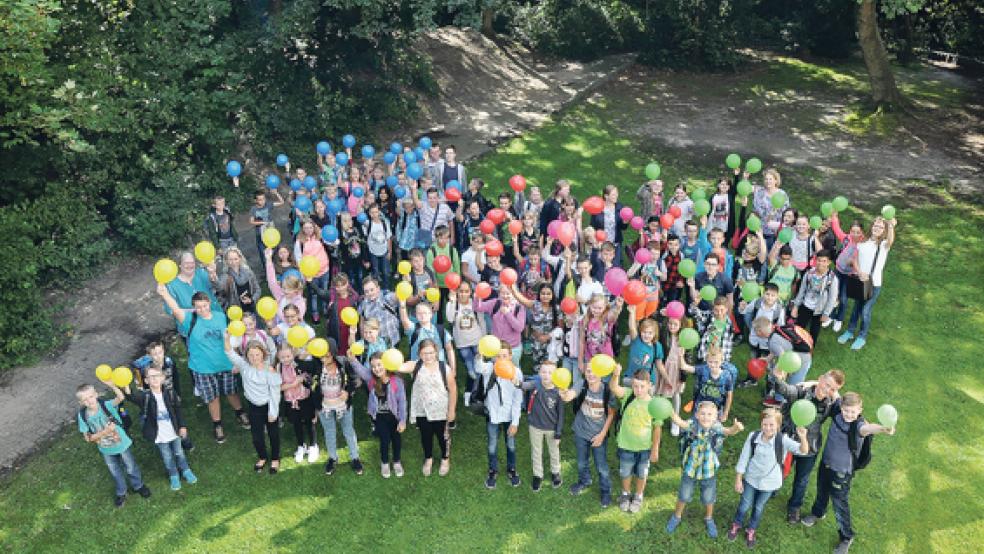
[884, 91]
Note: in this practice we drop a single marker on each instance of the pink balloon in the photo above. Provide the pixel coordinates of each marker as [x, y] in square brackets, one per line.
[637, 223]
[675, 309]
[643, 256]
[615, 280]
[566, 233]
[552, 228]
[354, 205]
[626, 214]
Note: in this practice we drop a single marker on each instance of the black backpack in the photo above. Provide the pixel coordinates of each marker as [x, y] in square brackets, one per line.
[617, 423]
[860, 458]
[776, 441]
[799, 337]
[476, 403]
[125, 421]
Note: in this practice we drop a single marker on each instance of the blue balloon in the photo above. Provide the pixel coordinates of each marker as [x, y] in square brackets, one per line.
[425, 143]
[295, 185]
[414, 171]
[282, 159]
[368, 151]
[303, 203]
[341, 158]
[310, 182]
[400, 192]
[358, 192]
[389, 158]
[396, 148]
[392, 181]
[314, 196]
[348, 141]
[324, 148]
[336, 206]
[329, 233]
[272, 181]
[362, 217]
[453, 184]
[409, 157]
[234, 168]
[419, 152]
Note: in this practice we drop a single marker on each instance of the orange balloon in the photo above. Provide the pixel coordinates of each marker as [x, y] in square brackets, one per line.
[515, 227]
[483, 290]
[634, 292]
[493, 248]
[504, 368]
[508, 276]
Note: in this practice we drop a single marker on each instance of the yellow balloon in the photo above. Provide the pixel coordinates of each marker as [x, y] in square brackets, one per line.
[433, 295]
[318, 347]
[205, 252]
[309, 266]
[489, 346]
[237, 328]
[602, 365]
[403, 267]
[561, 377]
[122, 376]
[357, 348]
[404, 290]
[266, 307]
[104, 372]
[235, 313]
[165, 270]
[271, 237]
[297, 336]
[349, 316]
[392, 359]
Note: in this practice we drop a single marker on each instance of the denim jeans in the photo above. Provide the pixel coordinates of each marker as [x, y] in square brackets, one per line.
[122, 466]
[174, 457]
[633, 462]
[862, 311]
[835, 487]
[468, 355]
[355, 271]
[328, 421]
[322, 284]
[381, 269]
[600, 454]
[493, 430]
[577, 379]
[838, 313]
[802, 468]
[800, 375]
[754, 500]
[708, 490]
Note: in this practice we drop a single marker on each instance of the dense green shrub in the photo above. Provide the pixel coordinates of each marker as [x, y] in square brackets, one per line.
[690, 33]
[579, 29]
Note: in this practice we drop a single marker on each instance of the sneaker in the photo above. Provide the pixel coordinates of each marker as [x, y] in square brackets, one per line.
[674, 430]
[827, 323]
[187, 445]
[398, 469]
[578, 488]
[793, 517]
[219, 434]
[636, 504]
[175, 483]
[606, 499]
[837, 325]
[555, 480]
[514, 478]
[843, 546]
[672, 525]
[144, 491]
[299, 454]
[733, 532]
[313, 453]
[445, 467]
[772, 403]
[858, 343]
[243, 420]
[750, 538]
[467, 399]
[746, 383]
[189, 477]
[330, 466]
[848, 335]
[118, 502]
[712, 530]
[490, 480]
[385, 469]
[426, 469]
[357, 467]
[623, 501]
[810, 520]
[537, 483]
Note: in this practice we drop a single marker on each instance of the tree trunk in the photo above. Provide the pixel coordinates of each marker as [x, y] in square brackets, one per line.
[488, 17]
[880, 75]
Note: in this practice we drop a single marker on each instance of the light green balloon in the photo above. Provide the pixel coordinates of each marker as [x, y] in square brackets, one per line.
[653, 170]
[744, 187]
[840, 203]
[754, 224]
[702, 207]
[733, 161]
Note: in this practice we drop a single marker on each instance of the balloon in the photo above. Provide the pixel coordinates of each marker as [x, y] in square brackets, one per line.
[601, 235]
[637, 223]
[266, 307]
[400, 192]
[205, 252]
[594, 205]
[409, 157]
[753, 165]
[234, 168]
[392, 359]
[483, 291]
[392, 181]
[433, 295]
[778, 199]
[504, 368]
[419, 152]
[615, 280]
[888, 212]
[708, 293]
[840, 204]
[404, 267]
[508, 276]
[561, 377]
[358, 192]
[666, 220]
[756, 368]
[303, 204]
[687, 268]
[785, 235]
[453, 195]
[442, 263]
[235, 313]
[643, 256]
[754, 224]
[826, 209]
[348, 141]
[515, 227]
[309, 266]
[789, 362]
[702, 207]
[349, 316]
[237, 328]
[310, 183]
[272, 182]
[675, 211]
[486, 226]
[341, 158]
[329, 233]
[396, 147]
[425, 143]
[357, 348]
[453, 184]
[323, 148]
[803, 412]
[689, 338]
[296, 185]
[489, 346]
[368, 151]
[297, 336]
[568, 305]
[698, 194]
[660, 408]
[282, 160]
[888, 416]
[165, 270]
[318, 347]
[104, 372]
[733, 161]
[566, 233]
[497, 216]
[452, 280]
[626, 214]
[815, 222]
[744, 188]
[750, 291]
[688, 407]
[122, 376]
[414, 171]
[517, 182]
[675, 309]
[634, 292]
[552, 228]
[389, 158]
[493, 248]
[404, 290]
[602, 365]
[652, 170]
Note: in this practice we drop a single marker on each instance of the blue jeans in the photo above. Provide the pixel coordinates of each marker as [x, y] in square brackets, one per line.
[633, 462]
[493, 430]
[708, 490]
[862, 311]
[600, 454]
[328, 421]
[577, 379]
[355, 271]
[381, 269]
[174, 457]
[122, 466]
[322, 284]
[802, 468]
[838, 313]
[754, 500]
[468, 355]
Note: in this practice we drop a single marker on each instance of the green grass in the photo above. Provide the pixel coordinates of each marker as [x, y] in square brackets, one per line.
[924, 491]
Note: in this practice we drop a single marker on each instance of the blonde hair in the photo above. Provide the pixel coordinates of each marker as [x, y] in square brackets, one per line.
[647, 323]
[775, 174]
[773, 413]
[714, 351]
[371, 323]
[83, 389]
[259, 345]
[851, 399]
[292, 284]
[836, 376]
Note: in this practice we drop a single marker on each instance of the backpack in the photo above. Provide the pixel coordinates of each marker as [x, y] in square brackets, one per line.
[476, 403]
[606, 395]
[415, 336]
[617, 423]
[860, 458]
[799, 337]
[441, 365]
[776, 441]
[125, 421]
[757, 304]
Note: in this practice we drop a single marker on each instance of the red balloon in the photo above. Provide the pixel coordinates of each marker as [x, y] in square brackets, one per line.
[666, 220]
[497, 216]
[568, 305]
[483, 290]
[594, 205]
[634, 292]
[676, 211]
[756, 368]
[487, 227]
[508, 276]
[517, 182]
[566, 233]
[452, 194]
[442, 263]
[515, 227]
[452, 280]
[600, 235]
[493, 248]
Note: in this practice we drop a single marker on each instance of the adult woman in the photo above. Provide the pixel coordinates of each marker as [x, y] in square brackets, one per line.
[238, 286]
[610, 221]
[261, 383]
[770, 215]
[467, 328]
[309, 243]
[432, 403]
[508, 319]
[872, 254]
[552, 207]
[191, 279]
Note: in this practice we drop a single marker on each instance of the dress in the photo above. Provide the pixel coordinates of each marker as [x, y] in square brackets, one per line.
[673, 385]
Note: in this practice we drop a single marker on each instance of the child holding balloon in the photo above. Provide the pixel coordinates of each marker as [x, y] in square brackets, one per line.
[288, 293]
[638, 434]
[298, 400]
[503, 403]
[678, 360]
[598, 328]
[546, 420]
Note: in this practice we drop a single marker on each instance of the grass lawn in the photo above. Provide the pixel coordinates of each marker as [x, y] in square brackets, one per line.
[923, 492]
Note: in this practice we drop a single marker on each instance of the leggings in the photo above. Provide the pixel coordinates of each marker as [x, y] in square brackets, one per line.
[257, 423]
[429, 430]
[302, 419]
[386, 424]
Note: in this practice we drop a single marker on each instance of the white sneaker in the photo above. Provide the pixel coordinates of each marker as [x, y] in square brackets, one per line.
[837, 326]
[299, 455]
[827, 323]
[398, 469]
[467, 398]
[386, 471]
[313, 453]
[674, 429]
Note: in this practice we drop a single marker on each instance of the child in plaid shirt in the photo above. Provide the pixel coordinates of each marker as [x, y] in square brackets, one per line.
[700, 443]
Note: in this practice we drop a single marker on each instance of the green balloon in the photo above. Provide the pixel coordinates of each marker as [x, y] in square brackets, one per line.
[660, 408]
[702, 207]
[887, 415]
[888, 212]
[750, 291]
[698, 194]
[708, 293]
[815, 222]
[687, 268]
[689, 338]
[803, 412]
[826, 209]
[789, 362]
[733, 161]
[840, 203]
[744, 187]
[754, 224]
[785, 235]
[778, 199]
[653, 170]
[753, 165]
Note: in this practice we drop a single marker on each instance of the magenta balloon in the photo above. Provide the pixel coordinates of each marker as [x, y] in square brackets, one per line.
[675, 309]
[615, 280]
[626, 214]
[552, 228]
[637, 223]
[566, 233]
[643, 256]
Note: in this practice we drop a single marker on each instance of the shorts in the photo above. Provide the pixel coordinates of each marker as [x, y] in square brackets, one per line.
[633, 462]
[708, 489]
[211, 385]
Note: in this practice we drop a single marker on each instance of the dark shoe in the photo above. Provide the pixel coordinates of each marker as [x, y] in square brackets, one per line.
[274, 467]
[556, 480]
[733, 532]
[746, 383]
[793, 517]
[843, 546]
[514, 478]
[187, 445]
[119, 501]
[810, 520]
[243, 420]
[144, 491]
[219, 434]
[490, 480]
[330, 466]
[357, 467]
[578, 488]
[606, 499]
[750, 538]
[258, 466]
[537, 482]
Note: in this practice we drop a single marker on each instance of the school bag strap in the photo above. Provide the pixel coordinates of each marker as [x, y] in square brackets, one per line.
[415, 335]
[799, 337]
[776, 442]
[441, 366]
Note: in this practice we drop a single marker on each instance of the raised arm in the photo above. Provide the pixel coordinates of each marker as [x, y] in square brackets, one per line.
[271, 275]
[520, 297]
[176, 311]
[615, 384]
